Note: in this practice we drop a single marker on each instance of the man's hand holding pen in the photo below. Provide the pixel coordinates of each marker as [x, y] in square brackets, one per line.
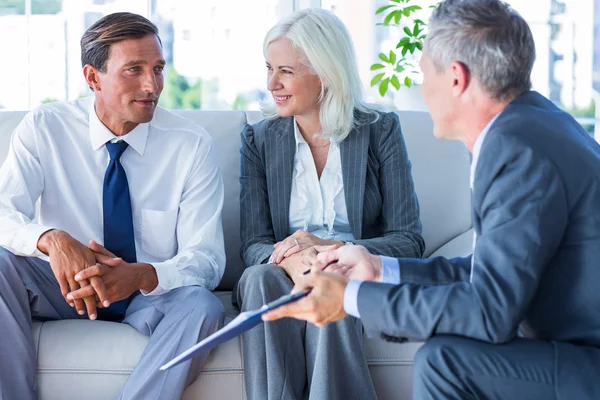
[328, 278]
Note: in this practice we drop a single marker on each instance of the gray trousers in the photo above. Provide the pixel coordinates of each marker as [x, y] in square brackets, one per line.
[290, 359]
[451, 367]
[174, 321]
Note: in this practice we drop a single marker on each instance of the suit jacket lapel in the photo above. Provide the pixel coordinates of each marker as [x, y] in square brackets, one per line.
[281, 148]
[353, 151]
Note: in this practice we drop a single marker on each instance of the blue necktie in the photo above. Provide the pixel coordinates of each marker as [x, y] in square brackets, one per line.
[118, 220]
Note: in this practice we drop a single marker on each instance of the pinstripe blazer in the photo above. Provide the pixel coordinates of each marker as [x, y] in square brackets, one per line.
[383, 209]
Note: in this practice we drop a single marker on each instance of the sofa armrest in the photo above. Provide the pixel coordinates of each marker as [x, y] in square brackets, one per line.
[460, 246]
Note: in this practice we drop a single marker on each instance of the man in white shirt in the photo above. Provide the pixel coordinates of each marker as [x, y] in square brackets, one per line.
[130, 201]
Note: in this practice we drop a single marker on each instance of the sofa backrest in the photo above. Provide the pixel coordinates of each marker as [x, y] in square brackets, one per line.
[440, 172]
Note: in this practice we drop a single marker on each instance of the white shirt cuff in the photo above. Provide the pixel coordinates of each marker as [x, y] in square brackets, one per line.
[167, 275]
[27, 240]
[390, 270]
[351, 298]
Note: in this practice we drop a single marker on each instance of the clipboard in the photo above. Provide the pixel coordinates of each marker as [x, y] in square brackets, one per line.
[240, 324]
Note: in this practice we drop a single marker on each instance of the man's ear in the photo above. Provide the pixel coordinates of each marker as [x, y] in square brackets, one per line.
[91, 77]
[461, 78]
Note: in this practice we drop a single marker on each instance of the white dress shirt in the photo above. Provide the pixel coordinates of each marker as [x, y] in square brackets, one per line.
[390, 267]
[58, 155]
[318, 205]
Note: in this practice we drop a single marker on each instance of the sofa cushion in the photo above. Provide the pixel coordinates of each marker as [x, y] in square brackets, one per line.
[69, 368]
[92, 359]
[225, 127]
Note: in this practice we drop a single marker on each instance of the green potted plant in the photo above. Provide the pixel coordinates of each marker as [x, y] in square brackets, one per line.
[400, 67]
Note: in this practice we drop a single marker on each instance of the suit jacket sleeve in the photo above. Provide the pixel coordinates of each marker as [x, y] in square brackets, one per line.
[400, 207]
[435, 271]
[256, 225]
[521, 205]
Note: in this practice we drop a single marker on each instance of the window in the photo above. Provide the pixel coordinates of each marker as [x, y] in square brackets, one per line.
[214, 55]
[42, 38]
[214, 48]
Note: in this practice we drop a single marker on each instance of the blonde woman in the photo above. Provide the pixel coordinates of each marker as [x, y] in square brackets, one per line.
[323, 168]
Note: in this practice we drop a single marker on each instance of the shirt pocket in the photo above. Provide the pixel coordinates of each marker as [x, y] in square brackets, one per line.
[158, 233]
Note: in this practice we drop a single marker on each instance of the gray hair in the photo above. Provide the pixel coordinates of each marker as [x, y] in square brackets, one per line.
[326, 49]
[487, 36]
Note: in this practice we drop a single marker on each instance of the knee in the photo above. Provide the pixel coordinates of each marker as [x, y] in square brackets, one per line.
[258, 276]
[202, 304]
[435, 356]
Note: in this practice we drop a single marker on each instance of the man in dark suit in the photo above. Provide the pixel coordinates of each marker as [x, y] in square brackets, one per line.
[520, 317]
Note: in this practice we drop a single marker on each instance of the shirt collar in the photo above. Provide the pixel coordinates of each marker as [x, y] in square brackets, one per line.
[478, 144]
[297, 135]
[100, 134]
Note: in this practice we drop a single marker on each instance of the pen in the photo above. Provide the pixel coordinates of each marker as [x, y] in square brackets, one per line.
[308, 270]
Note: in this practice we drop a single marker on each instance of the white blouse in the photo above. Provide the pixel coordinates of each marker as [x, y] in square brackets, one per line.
[318, 206]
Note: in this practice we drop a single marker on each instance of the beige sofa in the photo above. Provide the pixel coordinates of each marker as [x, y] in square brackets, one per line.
[68, 369]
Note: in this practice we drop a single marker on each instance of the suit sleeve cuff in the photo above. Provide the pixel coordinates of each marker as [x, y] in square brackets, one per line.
[390, 270]
[351, 298]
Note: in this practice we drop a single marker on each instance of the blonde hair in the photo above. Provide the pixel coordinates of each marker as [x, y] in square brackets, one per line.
[326, 48]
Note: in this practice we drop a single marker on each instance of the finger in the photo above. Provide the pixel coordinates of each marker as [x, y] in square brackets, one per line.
[333, 268]
[64, 288]
[93, 270]
[321, 249]
[289, 310]
[90, 301]
[90, 305]
[283, 248]
[328, 257]
[279, 251]
[79, 306]
[98, 285]
[110, 261]
[81, 293]
[98, 248]
[293, 250]
[273, 316]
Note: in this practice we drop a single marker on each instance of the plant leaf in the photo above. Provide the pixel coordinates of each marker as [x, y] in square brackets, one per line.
[407, 82]
[383, 86]
[382, 9]
[377, 78]
[395, 82]
[384, 58]
[403, 42]
[377, 66]
[392, 57]
[407, 31]
[389, 17]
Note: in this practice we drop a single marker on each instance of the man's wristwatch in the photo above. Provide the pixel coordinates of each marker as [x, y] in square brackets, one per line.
[347, 243]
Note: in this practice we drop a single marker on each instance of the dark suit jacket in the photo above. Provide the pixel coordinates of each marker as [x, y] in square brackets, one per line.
[382, 205]
[536, 211]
